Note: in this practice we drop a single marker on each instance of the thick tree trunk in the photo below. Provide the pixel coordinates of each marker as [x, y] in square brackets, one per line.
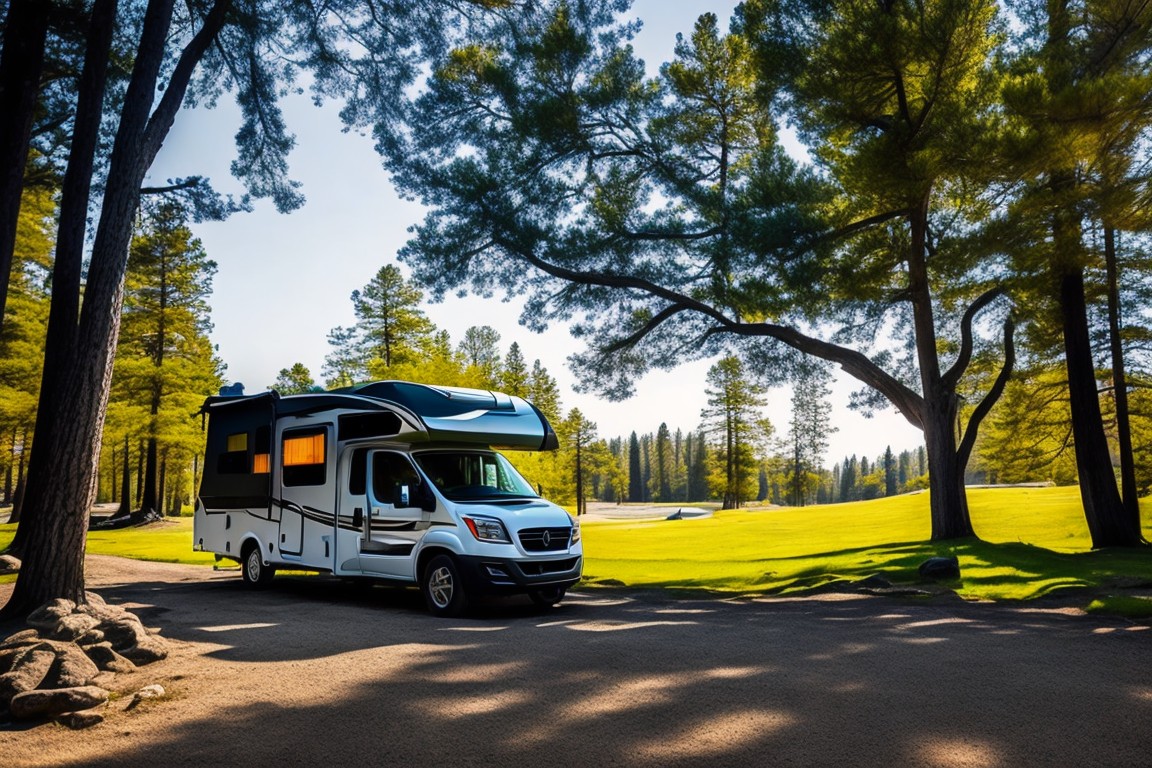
[947, 499]
[126, 480]
[1128, 493]
[148, 502]
[21, 63]
[67, 267]
[1108, 522]
[62, 491]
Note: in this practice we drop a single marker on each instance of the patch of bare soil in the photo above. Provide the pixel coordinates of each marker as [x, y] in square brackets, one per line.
[316, 671]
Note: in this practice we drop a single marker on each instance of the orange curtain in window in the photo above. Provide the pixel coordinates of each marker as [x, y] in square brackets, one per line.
[260, 464]
[304, 450]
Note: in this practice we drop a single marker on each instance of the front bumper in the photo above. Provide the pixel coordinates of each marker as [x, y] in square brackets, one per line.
[498, 575]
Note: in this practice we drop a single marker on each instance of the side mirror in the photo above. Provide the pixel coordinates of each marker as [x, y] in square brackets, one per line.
[414, 494]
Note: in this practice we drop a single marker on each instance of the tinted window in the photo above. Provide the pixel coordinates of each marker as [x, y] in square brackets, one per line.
[304, 456]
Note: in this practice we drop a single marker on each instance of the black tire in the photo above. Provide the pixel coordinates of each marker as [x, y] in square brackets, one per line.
[548, 596]
[443, 589]
[255, 571]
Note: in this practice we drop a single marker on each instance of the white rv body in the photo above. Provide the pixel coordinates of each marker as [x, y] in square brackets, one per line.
[389, 480]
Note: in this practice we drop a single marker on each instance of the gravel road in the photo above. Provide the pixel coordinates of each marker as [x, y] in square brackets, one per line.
[316, 672]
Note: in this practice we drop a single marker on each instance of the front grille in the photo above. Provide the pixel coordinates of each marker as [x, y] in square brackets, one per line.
[545, 539]
[548, 566]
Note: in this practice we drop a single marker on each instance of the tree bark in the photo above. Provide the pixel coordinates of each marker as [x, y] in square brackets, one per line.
[68, 264]
[21, 63]
[61, 490]
[948, 500]
[1108, 522]
[1128, 493]
[126, 480]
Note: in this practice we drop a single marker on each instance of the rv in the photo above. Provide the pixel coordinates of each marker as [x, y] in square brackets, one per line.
[388, 480]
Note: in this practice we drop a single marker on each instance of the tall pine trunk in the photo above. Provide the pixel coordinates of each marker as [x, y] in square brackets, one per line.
[1109, 524]
[67, 267]
[21, 64]
[1128, 493]
[60, 490]
[947, 498]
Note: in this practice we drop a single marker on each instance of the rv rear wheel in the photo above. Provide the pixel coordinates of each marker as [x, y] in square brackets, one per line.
[256, 572]
[443, 588]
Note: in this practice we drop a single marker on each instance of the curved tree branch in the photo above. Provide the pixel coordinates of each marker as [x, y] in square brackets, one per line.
[964, 451]
[952, 377]
[909, 403]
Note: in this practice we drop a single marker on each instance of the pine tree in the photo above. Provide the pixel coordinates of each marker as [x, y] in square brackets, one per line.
[811, 424]
[294, 381]
[481, 356]
[390, 321]
[733, 422]
[515, 378]
[635, 474]
[165, 362]
[662, 466]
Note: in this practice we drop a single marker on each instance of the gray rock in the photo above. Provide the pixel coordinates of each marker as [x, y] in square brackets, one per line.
[46, 616]
[28, 671]
[149, 649]
[41, 703]
[104, 657]
[21, 638]
[9, 564]
[940, 568]
[102, 610]
[80, 720]
[72, 627]
[91, 637]
[124, 632]
[72, 669]
[147, 692]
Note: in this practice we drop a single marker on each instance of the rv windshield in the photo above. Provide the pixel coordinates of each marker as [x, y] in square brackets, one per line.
[474, 476]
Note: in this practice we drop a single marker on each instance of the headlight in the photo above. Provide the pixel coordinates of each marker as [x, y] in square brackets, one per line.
[575, 532]
[487, 529]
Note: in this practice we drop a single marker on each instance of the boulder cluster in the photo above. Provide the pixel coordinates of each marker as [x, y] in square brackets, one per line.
[62, 666]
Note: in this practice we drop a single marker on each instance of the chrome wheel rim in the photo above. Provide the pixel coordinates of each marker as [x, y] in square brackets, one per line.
[440, 586]
[253, 565]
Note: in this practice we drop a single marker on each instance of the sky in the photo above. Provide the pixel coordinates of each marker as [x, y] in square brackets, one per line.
[284, 281]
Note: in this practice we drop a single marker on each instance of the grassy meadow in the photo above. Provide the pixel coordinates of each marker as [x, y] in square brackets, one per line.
[1033, 542]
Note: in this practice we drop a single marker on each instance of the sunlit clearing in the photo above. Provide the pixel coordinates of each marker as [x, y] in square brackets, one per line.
[717, 735]
[731, 673]
[476, 673]
[616, 626]
[234, 627]
[457, 707]
[625, 696]
[958, 753]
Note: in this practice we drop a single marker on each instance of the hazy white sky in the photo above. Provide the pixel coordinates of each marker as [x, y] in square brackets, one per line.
[284, 280]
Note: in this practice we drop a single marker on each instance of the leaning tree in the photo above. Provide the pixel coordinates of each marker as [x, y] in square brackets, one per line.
[663, 218]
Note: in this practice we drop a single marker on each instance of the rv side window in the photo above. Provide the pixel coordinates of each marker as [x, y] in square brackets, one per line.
[260, 459]
[305, 452]
[390, 471]
[234, 460]
[358, 472]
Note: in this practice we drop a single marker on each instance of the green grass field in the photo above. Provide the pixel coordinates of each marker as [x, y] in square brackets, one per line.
[1033, 541]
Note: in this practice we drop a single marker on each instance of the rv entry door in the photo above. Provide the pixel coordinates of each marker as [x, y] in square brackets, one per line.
[396, 498]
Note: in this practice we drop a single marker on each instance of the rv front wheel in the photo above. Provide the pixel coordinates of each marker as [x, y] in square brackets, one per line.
[256, 572]
[547, 597]
[442, 587]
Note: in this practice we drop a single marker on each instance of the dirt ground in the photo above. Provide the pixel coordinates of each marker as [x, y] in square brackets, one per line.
[316, 672]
